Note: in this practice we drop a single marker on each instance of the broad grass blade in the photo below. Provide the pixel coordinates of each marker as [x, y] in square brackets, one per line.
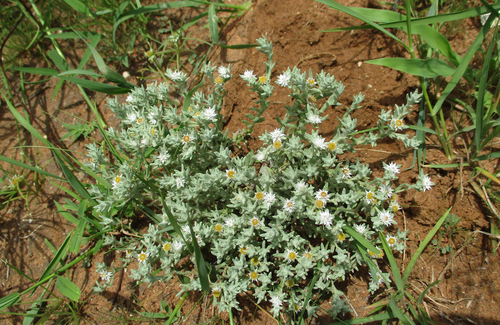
[76, 239]
[213, 24]
[427, 68]
[402, 317]
[26, 166]
[396, 274]
[74, 182]
[68, 216]
[68, 288]
[97, 86]
[360, 239]
[187, 100]
[364, 320]
[421, 128]
[437, 41]
[200, 262]
[7, 301]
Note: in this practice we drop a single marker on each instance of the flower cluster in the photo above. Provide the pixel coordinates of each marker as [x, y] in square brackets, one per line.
[265, 222]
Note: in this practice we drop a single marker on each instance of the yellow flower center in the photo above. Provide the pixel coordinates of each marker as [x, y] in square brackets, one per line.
[118, 179]
[216, 293]
[395, 208]
[308, 255]
[139, 120]
[149, 53]
[255, 261]
[290, 283]
[231, 173]
[292, 255]
[166, 247]
[254, 275]
[255, 222]
[218, 227]
[381, 254]
[369, 195]
[323, 194]
[259, 195]
[277, 144]
[319, 204]
[345, 171]
[372, 254]
[392, 240]
[394, 197]
[399, 123]
[153, 131]
[219, 80]
[186, 138]
[197, 114]
[298, 307]
[332, 146]
[262, 79]
[243, 250]
[341, 236]
[91, 160]
[142, 256]
[312, 99]
[311, 81]
[190, 109]
[289, 204]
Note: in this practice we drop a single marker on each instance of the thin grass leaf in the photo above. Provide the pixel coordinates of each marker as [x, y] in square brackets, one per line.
[360, 239]
[200, 262]
[424, 244]
[97, 86]
[187, 100]
[80, 7]
[421, 128]
[349, 11]
[67, 191]
[427, 68]
[74, 35]
[213, 24]
[80, 72]
[489, 156]
[76, 239]
[364, 320]
[446, 165]
[402, 317]
[74, 182]
[66, 215]
[309, 291]
[68, 288]
[7, 301]
[464, 64]
[396, 273]
[238, 46]
[26, 166]
[40, 71]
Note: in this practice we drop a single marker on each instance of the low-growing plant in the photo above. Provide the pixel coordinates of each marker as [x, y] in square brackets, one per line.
[286, 222]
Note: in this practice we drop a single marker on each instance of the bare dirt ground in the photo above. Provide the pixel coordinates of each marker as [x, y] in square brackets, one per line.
[468, 292]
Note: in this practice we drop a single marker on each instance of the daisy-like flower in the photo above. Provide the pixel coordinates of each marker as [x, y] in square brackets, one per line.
[319, 142]
[332, 146]
[386, 218]
[218, 227]
[277, 144]
[259, 196]
[129, 98]
[177, 245]
[16, 179]
[139, 120]
[142, 257]
[392, 167]
[230, 173]
[263, 79]
[322, 195]
[176, 76]
[254, 221]
[219, 81]
[346, 173]
[152, 119]
[254, 276]
[311, 82]
[216, 291]
[179, 182]
[319, 203]
[243, 250]
[427, 183]
[131, 117]
[248, 76]
[391, 240]
[276, 301]
[186, 138]
[361, 228]
[325, 218]
[313, 119]
[167, 246]
[394, 206]
[277, 134]
[341, 237]
[308, 255]
[255, 261]
[224, 72]
[386, 190]
[289, 206]
[283, 80]
[289, 283]
[210, 114]
[369, 197]
[377, 279]
[106, 276]
[230, 222]
[397, 124]
[291, 255]
[117, 181]
[269, 198]
[300, 186]
[261, 156]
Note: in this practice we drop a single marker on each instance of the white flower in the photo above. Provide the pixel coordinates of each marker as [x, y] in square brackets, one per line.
[346, 173]
[300, 186]
[319, 142]
[427, 183]
[392, 167]
[248, 76]
[142, 257]
[386, 190]
[176, 76]
[276, 301]
[224, 72]
[386, 218]
[377, 279]
[277, 135]
[229, 223]
[131, 118]
[325, 218]
[269, 198]
[179, 182]
[177, 245]
[289, 206]
[283, 80]
[152, 119]
[210, 114]
[322, 195]
[106, 276]
[163, 157]
[186, 229]
[369, 197]
[129, 98]
[261, 156]
[361, 229]
[397, 124]
[391, 240]
[313, 119]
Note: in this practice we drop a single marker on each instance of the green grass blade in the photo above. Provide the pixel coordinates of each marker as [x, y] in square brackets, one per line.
[79, 6]
[402, 317]
[464, 64]
[421, 128]
[187, 100]
[396, 273]
[68, 288]
[26, 166]
[349, 11]
[73, 181]
[68, 216]
[76, 239]
[310, 291]
[80, 72]
[424, 244]
[7, 301]
[213, 24]
[439, 42]
[364, 320]
[493, 155]
[360, 239]
[427, 68]
[238, 46]
[40, 71]
[97, 86]
[200, 262]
